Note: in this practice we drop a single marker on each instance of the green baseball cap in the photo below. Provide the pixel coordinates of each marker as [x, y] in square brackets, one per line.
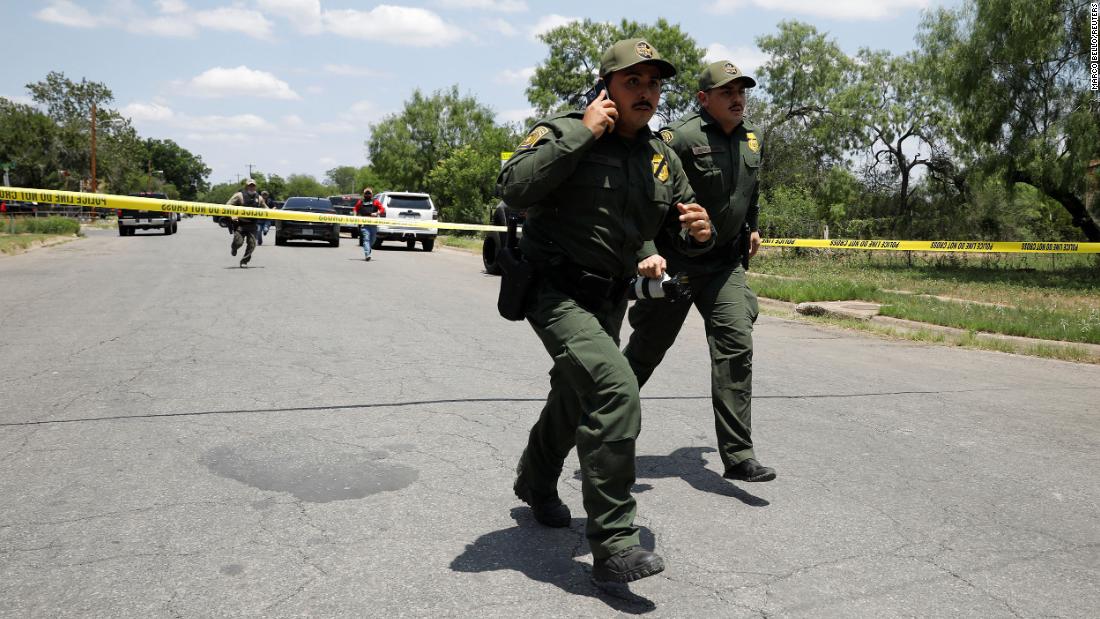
[717, 74]
[629, 52]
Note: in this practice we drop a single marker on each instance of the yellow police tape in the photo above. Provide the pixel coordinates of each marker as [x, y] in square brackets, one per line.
[989, 247]
[99, 200]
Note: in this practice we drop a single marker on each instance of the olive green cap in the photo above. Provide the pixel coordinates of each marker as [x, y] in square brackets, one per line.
[717, 74]
[629, 52]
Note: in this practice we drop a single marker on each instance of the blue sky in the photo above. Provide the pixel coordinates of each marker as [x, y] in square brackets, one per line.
[292, 86]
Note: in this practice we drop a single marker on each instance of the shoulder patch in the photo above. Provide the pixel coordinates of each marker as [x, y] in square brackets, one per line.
[666, 136]
[532, 138]
[754, 144]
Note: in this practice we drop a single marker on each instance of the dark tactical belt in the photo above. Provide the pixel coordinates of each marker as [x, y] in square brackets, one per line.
[591, 290]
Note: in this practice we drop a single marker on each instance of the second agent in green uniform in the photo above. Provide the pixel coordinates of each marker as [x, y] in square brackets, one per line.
[721, 155]
[596, 184]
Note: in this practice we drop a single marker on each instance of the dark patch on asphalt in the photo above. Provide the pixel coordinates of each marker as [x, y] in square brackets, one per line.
[233, 569]
[307, 474]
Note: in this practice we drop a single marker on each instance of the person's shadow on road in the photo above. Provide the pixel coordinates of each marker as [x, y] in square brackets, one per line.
[688, 464]
[544, 554]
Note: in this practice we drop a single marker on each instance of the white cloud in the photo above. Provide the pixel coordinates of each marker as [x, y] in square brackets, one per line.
[70, 14]
[293, 120]
[500, 26]
[175, 18]
[348, 70]
[304, 14]
[163, 26]
[150, 112]
[549, 22]
[326, 161]
[364, 108]
[504, 6]
[515, 76]
[232, 19]
[848, 10]
[393, 24]
[748, 59]
[238, 82]
[172, 7]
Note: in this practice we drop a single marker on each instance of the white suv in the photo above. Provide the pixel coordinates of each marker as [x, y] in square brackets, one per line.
[399, 205]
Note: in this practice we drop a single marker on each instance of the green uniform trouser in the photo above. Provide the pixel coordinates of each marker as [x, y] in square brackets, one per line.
[729, 308]
[245, 234]
[593, 405]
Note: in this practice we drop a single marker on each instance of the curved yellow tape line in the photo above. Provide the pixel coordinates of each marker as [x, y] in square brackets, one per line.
[100, 200]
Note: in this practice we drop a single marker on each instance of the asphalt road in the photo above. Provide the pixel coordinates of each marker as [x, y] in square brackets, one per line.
[322, 436]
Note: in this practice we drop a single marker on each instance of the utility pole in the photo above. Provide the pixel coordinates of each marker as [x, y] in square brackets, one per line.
[95, 184]
[250, 169]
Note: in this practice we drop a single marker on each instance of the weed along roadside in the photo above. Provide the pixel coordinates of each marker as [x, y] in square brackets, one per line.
[18, 235]
[1019, 304]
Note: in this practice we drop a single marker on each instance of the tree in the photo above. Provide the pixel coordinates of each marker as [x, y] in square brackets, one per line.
[70, 104]
[1016, 74]
[570, 70]
[890, 110]
[30, 141]
[804, 73]
[185, 171]
[305, 185]
[367, 177]
[405, 147]
[464, 184]
[343, 178]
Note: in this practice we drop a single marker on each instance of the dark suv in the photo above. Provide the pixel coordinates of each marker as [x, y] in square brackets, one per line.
[131, 220]
[286, 230]
[344, 205]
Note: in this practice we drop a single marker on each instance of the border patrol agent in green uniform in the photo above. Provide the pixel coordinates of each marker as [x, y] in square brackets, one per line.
[721, 155]
[596, 184]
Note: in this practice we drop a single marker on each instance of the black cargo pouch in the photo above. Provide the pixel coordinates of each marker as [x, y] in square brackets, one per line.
[518, 277]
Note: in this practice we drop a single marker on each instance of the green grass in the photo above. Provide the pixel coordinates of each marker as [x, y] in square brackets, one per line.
[472, 243]
[41, 225]
[20, 233]
[1041, 298]
[966, 340]
[17, 243]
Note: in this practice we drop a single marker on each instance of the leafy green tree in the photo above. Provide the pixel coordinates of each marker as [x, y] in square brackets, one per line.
[464, 184]
[570, 70]
[343, 178]
[180, 167]
[367, 177]
[405, 147]
[29, 140]
[889, 111]
[799, 85]
[275, 185]
[305, 185]
[220, 193]
[804, 74]
[1017, 74]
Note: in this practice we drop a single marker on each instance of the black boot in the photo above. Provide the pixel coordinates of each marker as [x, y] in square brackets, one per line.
[548, 511]
[750, 470]
[627, 565]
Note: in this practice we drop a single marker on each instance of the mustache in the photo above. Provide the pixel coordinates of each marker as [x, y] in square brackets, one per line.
[643, 105]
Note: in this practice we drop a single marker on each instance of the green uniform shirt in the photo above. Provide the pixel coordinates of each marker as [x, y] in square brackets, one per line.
[723, 171]
[593, 202]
